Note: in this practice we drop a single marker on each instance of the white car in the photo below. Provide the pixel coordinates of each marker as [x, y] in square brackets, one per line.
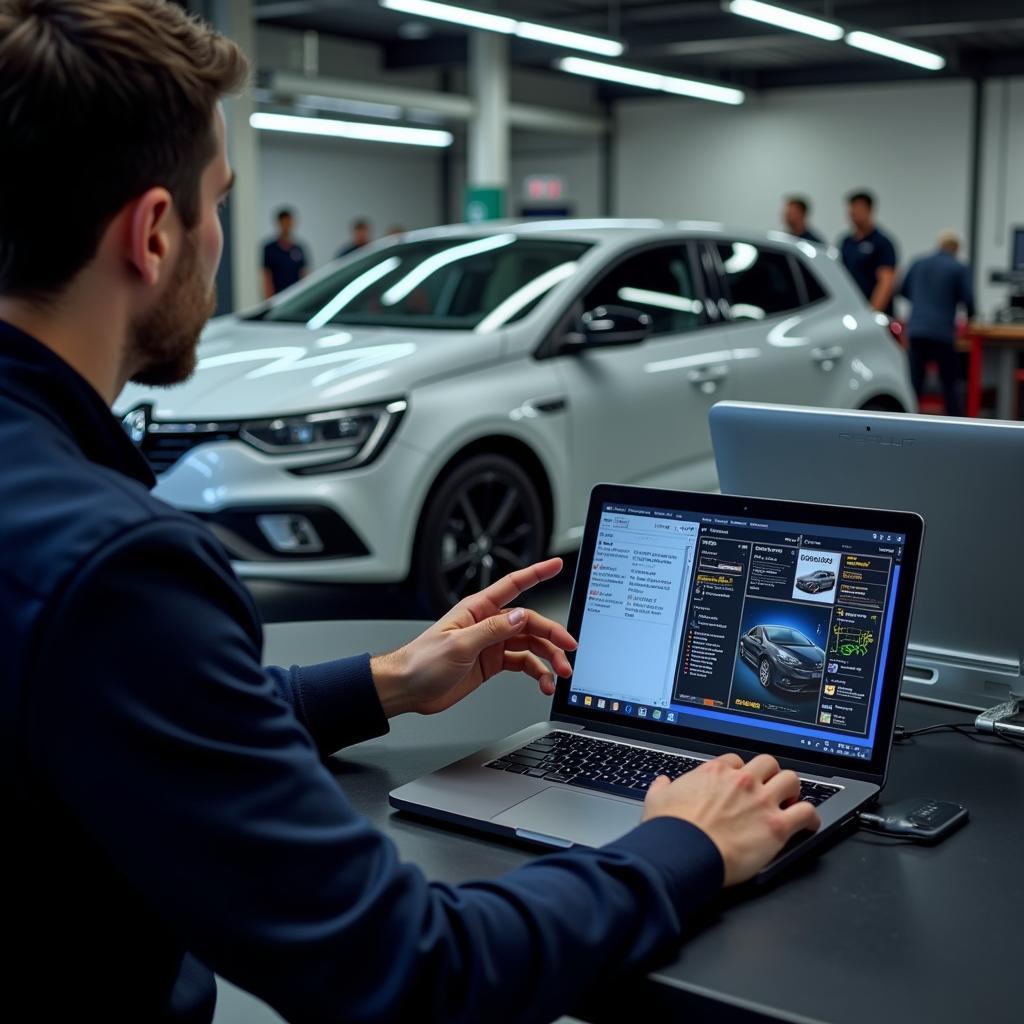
[438, 409]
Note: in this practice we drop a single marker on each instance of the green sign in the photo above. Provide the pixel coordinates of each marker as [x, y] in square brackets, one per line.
[484, 204]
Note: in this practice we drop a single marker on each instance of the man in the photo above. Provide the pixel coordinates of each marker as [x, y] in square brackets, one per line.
[284, 259]
[167, 811]
[937, 286]
[869, 255]
[360, 237]
[794, 216]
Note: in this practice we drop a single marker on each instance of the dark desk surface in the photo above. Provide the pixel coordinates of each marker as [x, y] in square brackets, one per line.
[872, 930]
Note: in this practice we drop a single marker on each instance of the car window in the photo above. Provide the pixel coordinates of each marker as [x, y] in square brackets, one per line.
[759, 282]
[462, 283]
[812, 286]
[658, 282]
[787, 636]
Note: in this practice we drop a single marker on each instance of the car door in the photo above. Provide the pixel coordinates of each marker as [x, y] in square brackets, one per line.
[639, 413]
[764, 293]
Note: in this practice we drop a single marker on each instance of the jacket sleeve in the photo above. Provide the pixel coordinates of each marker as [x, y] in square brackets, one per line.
[152, 718]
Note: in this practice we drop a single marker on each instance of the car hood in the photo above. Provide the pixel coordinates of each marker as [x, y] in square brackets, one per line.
[248, 369]
[813, 656]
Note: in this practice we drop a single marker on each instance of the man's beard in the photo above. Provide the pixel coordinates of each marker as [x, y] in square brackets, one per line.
[162, 349]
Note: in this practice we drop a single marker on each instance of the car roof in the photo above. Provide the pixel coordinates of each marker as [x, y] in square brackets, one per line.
[613, 229]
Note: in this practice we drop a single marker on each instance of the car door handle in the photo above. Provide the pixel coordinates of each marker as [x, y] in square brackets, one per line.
[707, 378]
[826, 358]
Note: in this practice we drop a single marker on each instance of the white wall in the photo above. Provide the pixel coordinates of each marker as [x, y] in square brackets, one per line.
[1002, 185]
[907, 143]
[329, 182]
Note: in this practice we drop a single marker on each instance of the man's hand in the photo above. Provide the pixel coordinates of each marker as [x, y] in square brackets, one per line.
[749, 811]
[474, 641]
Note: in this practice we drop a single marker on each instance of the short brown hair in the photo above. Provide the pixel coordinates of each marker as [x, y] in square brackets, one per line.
[100, 100]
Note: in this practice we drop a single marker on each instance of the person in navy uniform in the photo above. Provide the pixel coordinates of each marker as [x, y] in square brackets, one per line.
[360, 237]
[794, 216]
[868, 254]
[937, 285]
[284, 259]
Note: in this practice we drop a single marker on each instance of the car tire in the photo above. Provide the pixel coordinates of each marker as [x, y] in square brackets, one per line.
[764, 673]
[482, 520]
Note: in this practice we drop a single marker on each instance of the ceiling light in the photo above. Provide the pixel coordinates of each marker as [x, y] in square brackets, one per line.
[896, 51]
[783, 18]
[571, 40]
[652, 80]
[350, 130]
[457, 15]
[507, 26]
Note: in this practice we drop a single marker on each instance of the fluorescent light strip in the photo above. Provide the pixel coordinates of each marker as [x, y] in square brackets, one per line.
[433, 264]
[896, 51]
[458, 15]
[769, 14]
[507, 26]
[350, 130]
[652, 80]
[571, 40]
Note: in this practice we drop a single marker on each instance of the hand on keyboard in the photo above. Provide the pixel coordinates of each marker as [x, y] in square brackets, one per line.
[749, 811]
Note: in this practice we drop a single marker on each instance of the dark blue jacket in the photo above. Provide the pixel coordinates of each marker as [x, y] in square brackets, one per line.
[937, 285]
[167, 812]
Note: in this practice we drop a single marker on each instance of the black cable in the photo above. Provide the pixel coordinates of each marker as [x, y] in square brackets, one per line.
[971, 732]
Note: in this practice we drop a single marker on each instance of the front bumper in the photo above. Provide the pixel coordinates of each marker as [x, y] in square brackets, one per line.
[368, 531]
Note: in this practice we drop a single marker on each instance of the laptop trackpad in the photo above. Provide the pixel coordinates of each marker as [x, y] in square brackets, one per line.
[583, 818]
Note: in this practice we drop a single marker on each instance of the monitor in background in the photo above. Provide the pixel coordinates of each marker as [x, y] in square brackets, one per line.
[965, 477]
[1017, 251]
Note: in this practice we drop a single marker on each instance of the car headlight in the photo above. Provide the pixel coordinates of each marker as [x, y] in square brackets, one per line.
[785, 656]
[351, 437]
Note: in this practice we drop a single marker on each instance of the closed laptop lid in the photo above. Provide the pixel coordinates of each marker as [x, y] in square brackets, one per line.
[749, 624]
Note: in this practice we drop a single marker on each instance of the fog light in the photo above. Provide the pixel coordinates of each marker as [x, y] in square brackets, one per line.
[290, 534]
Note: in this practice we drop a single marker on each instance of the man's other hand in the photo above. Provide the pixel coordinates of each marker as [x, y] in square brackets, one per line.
[477, 639]
[749, 811]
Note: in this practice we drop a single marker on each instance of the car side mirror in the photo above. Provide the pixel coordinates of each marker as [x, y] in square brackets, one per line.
[605, 326]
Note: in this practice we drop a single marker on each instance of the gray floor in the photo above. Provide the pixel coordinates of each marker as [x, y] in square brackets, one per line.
[280, 603]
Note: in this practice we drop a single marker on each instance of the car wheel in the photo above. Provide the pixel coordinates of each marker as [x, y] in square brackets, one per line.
[484, 520]
[764, 673]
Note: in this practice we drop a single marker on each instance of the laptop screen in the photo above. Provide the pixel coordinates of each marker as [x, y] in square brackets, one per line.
[754, 630]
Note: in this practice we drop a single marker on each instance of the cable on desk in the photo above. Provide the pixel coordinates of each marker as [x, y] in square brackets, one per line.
[902, 734]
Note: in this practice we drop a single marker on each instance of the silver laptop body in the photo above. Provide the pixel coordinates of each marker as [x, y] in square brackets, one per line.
[678, 606]
[966, 477]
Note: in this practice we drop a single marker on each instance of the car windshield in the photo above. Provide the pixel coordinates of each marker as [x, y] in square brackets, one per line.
[786, 636]
[457, 283]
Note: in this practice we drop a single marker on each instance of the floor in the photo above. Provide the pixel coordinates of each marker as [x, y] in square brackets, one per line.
[286, 603]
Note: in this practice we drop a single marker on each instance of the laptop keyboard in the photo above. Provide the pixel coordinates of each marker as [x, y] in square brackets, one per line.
[610, 767]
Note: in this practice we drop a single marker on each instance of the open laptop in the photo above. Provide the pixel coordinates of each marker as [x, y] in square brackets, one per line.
[705, 626]
[966, 477]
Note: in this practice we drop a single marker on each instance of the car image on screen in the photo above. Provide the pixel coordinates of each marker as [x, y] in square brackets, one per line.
[817, 582]
[783, 658]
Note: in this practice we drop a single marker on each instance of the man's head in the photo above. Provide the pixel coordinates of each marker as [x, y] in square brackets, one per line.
[113, 165]
[949, 241]
[861, 210]
[285, 222]
[794, 214]
[360, 231]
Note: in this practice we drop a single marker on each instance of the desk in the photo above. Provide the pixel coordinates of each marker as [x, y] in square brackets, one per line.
[872, 930]
[1008, 341]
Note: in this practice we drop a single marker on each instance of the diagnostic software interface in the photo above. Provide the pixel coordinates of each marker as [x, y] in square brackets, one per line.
[761, 630]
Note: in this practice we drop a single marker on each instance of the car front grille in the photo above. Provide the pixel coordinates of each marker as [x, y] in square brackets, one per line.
[165, 443]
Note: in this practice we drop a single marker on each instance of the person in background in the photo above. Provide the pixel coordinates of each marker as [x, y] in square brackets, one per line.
[937, 286]
[395, 232]
[868, 254]
[284, 259]
[360, 237]
[794, 216]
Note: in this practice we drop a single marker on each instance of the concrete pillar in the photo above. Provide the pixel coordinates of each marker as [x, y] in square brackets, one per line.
[240, 284]
[487, 180]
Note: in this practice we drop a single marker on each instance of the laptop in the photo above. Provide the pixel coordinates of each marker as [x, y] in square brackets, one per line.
[706, 624]
[966, 477]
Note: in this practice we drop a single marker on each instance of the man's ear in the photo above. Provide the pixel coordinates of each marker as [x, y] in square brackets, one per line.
[151, 227]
